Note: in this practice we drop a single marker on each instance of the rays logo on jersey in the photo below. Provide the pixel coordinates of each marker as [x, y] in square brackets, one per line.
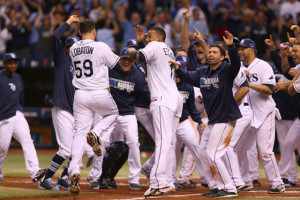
[121, 85]
[12, 86]
[208, 82]
[253, 77]
[185, 95]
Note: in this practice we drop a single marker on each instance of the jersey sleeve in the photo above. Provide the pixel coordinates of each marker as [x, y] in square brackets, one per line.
[235, 62]
[109, 58]
[239, 79]
[268, 77]
[297, 85]
[149, 52]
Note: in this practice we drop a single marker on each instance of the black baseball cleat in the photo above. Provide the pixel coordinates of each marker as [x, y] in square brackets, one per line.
[75, 187]
[256, 183]
[211, 193]
[40, 174]
[102, 184]
[276, 189]
[93, 141]
[111, 183]
[225, 194]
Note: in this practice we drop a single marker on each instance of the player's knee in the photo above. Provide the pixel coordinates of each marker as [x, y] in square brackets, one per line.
[65, 154]
[266, 155]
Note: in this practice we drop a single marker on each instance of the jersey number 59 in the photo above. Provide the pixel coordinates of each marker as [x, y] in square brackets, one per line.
[87, 67]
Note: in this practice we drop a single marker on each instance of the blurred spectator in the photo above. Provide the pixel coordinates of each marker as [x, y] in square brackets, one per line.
[128, 26]
[107, 27]
[206, 8]
[94, 10]
[44, 45]
[4, 36]
[235, 17]
[246, 27]
[161, 21]
[260, 32]
[200, 25]
[20, 30]
[176, 35]
[270, 15]
[18, 6]
[288, 7]
[149, 10]
[179, 17]
[220, 16]
[74, 7]
[178, 5]
[286, 28]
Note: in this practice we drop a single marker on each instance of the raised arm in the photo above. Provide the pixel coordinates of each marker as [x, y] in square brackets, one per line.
[59, 32]
[202, 42]
[185, 42]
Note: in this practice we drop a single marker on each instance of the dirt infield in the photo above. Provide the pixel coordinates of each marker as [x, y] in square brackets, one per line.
[123, 191]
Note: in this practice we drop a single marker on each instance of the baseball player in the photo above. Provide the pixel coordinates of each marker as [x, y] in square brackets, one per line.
[261, 83]
[12, 120]
[292, 139]
[90, 61]
[216, 83]
[126, 85]
[62, 110]
[240, 90]
[166, 102]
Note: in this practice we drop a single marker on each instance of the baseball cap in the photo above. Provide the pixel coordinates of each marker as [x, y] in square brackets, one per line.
[248, 43]
[124, 53]
[132, 43]
[183, 60]
[10, 56]
[71, 40]
[204, 38]
[284, 44]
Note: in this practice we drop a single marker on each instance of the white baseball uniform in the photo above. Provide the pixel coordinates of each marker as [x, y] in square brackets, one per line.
[231, 158]
[91, 60]
[166, 107]
[262, 125]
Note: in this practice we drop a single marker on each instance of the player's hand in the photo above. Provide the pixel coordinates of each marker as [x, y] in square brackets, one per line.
[293, 72]
[130, 50]
[72, 19]
[295, 29]
[198, 35]
[228, 39]
[140, 35]
[203, 125]
[285, 50]
[175, 64]
[186, 13]
[247, 73]
[292, 40]
[270, 43]
[280, 86]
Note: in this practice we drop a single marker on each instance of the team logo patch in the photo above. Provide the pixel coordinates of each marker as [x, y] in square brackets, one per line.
[122, 85]
[12, 86]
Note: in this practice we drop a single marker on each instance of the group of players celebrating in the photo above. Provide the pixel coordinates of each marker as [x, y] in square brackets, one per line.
[217, 100]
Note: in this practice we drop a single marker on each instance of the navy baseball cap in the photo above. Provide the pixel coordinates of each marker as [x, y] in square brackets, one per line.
[183, 60]
[10, 56]
[132, 43]
[204, 38]
[284, 44]
[248, 43]
[71, 40]
[124, 53]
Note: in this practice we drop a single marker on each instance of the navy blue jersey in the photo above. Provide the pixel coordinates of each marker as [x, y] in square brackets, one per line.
[189, 108]
[126, 87]
[63, 90]
[12, 95]
[216, 88]
[144, 100]
[194, 62]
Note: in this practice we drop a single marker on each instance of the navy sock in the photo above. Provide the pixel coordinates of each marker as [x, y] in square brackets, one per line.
[55, 164]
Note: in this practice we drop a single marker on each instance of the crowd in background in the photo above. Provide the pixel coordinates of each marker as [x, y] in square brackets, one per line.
[26, 26]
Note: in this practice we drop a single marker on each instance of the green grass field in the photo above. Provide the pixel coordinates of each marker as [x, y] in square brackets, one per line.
[14, 166]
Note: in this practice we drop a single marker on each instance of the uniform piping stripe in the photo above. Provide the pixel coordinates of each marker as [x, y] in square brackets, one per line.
[220, 158]
[115, 63]
[230, 168]
[159, 147]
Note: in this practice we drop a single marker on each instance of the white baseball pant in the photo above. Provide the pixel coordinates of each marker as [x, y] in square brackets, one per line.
[18, 128]
[252, 155]
[144, 116]
[287, 157]
[165, 124]
[264, 136]
[214, 144]
[230, 157]
[86, 104]
[63, 123]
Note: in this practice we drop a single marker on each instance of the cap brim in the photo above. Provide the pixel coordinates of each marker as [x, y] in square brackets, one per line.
[16, 59]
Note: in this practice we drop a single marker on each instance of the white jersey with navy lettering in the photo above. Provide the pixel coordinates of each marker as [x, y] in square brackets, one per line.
[161, 77]
[90, 61]
[238, 81]
[262, 104]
